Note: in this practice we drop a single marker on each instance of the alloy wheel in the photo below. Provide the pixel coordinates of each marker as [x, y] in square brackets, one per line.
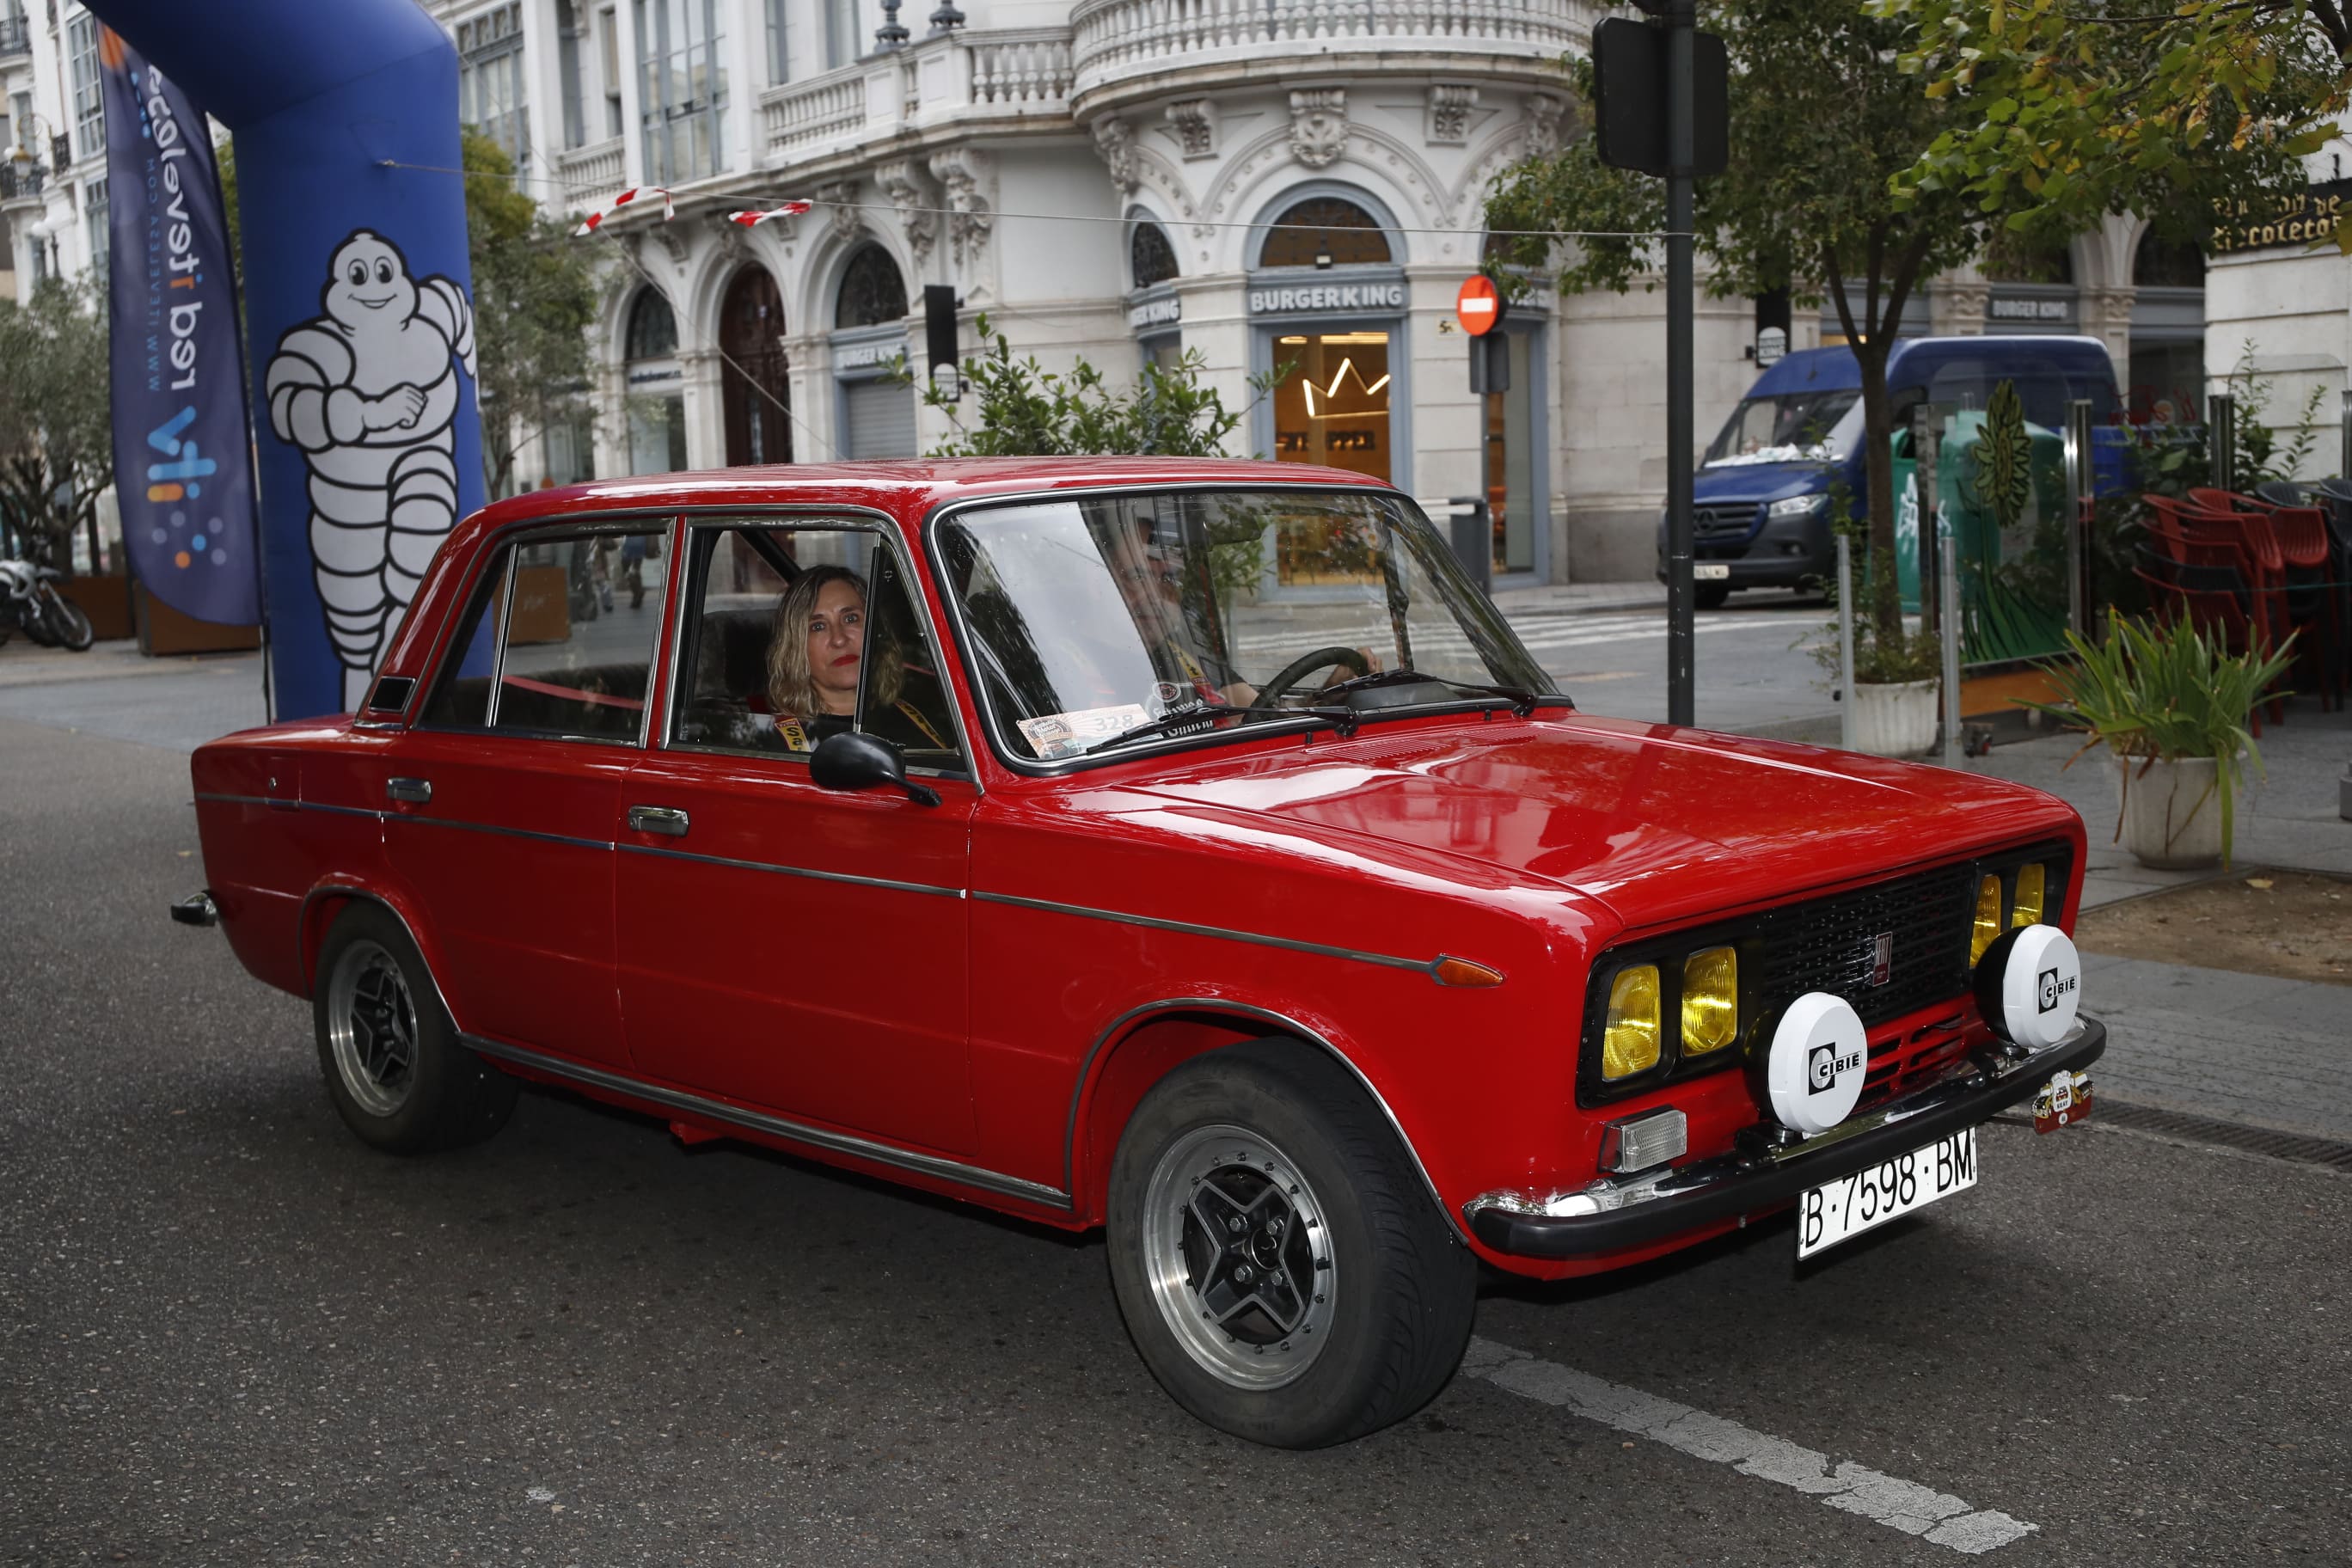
[371, 1027]
[1238, 1254]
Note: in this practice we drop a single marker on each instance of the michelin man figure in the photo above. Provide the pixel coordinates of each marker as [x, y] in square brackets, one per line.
[369, 393]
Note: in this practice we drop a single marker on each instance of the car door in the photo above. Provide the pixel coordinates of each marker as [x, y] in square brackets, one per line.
[502, 799]
[780, 944]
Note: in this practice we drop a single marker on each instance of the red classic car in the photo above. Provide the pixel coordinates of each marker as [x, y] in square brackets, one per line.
[1182, 847]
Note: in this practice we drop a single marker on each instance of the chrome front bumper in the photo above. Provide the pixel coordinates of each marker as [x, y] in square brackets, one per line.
[1619, 1213]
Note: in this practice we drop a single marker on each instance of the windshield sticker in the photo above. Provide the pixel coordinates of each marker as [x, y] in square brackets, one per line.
[1059, 735]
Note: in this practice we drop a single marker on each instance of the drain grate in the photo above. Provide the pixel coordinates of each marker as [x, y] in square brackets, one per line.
[2303, 1150]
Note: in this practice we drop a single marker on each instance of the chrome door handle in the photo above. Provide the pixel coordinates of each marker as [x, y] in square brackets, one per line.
[665, 820]
[416, 791]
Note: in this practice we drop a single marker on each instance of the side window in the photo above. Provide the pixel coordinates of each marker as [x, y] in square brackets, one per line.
[560, 638]
[794, 634]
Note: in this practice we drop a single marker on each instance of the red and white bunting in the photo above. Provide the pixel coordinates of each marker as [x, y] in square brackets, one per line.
[669, 210]
[753, 220]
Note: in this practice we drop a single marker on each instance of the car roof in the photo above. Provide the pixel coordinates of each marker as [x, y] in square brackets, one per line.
[908, 488]
[1833, 369]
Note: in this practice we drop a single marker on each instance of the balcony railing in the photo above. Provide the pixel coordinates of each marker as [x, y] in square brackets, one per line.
[21, 183]
[1115, 39]
[592, 174]
[16, 37]
[992, 75]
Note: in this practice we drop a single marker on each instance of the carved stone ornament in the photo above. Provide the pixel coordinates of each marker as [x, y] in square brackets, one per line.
[672, 241]
[911, 191]
[1318, 126]
[1450, 104]
[1543, 124]
[963, 172]
[839, 198]
[1115, 141]
[1194, 121]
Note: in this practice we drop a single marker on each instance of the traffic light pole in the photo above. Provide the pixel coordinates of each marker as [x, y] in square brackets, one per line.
[1681, 157]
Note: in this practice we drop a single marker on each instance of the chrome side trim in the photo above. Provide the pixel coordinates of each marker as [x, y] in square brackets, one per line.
[778, 1126]
[1388, 961]
[484, 827]
[1288, 1025]
[660, 853]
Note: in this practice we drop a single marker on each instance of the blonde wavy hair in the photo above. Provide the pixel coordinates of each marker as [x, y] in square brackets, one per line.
[791, 684]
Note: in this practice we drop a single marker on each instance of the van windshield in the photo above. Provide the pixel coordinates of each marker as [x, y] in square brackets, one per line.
[1795, 427]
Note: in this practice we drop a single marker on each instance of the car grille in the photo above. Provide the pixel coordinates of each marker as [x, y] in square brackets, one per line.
[1717, 523]
[1831, 944]
[1924, 919]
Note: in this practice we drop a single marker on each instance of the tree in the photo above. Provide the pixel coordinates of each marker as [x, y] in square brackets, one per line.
[1821, 122]
[1027, 411]
[56, 431]
[534, 301]
[2165, 107]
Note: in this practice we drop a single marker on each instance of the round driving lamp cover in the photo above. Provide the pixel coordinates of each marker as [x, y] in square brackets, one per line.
[2029, 985]
[1819, 1057]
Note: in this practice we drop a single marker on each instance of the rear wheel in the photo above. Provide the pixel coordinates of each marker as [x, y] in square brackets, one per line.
[1280, 1266]
[393, 1062]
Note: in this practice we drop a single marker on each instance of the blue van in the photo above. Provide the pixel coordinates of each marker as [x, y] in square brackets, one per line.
[1760, 517]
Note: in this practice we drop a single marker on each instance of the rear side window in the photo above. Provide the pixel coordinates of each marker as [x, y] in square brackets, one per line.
[558, 640]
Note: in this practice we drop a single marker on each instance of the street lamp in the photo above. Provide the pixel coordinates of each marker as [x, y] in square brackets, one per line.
[20, 153]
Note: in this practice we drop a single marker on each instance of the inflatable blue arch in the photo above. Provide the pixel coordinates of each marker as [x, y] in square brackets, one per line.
[358, 306]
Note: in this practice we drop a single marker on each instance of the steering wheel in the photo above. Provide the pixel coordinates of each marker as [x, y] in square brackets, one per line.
[1307, 664]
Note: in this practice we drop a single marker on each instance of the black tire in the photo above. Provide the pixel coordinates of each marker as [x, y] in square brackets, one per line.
[372, 982]
[66, 622]
[1395, 1290]
[1710, 595]
[34, 622]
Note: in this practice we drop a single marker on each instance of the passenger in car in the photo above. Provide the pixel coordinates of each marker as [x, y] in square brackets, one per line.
[817, 658]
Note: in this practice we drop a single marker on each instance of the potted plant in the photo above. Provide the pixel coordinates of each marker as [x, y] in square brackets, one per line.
[2171, 707]
[1896, 684]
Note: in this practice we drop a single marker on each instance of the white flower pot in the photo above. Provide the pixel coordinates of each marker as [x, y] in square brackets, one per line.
[1893, 719]
[2173, 813]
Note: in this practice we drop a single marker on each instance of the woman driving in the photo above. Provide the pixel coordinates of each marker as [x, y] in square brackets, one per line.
[817, 657]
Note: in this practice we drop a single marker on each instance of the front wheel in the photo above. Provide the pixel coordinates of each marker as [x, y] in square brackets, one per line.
[1710, 595]
[393, 1062]
[1280, 1266]
[66, 623]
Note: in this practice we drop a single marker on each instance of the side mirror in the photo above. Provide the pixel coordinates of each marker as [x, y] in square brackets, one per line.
[851, 761]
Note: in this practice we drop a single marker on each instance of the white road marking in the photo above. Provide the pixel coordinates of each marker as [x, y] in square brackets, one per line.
[1936, 1517]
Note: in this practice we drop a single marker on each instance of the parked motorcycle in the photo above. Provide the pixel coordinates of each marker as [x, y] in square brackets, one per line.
[30, 602]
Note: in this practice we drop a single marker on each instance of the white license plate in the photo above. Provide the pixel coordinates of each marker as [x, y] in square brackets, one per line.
[1710, 570]
[1888, 1189]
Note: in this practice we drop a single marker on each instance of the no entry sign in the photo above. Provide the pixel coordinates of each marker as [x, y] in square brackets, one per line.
[1479, 308]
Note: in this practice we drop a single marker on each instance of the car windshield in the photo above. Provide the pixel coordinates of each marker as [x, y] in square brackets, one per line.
[1104, 621]
[1794, 428]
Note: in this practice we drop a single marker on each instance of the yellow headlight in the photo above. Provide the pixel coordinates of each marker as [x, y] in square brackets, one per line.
[2029, 882]
[1630, 1042]
[1710, 1001]
[1987, 921]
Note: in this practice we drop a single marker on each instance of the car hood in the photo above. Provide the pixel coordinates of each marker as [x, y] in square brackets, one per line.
[1659, 823]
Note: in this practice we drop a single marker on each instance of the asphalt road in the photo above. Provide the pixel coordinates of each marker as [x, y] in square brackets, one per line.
[229, 1334]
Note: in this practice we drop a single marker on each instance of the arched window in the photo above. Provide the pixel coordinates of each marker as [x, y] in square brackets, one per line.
[1325, 231]
[872, 291]
[2168, 264]
[2007, 262]
[1149, 255]
[653, 327]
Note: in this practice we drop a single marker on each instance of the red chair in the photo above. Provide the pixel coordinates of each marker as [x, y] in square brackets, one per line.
[2212, 596]
[2293, 547]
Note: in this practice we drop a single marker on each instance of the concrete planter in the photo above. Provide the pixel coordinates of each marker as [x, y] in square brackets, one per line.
[2173, 813]
[1893, 719]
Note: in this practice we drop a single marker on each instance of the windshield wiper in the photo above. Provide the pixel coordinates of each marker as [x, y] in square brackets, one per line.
[1522, 701]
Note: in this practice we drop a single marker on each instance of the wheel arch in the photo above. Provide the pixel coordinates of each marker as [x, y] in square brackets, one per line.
[1140, 1046]
[325, 903]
